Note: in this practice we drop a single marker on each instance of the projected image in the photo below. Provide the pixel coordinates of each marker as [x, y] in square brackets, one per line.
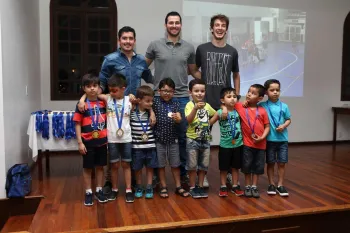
[270, 41]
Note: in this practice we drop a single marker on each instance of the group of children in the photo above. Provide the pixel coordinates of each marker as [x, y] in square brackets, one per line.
[123, 123]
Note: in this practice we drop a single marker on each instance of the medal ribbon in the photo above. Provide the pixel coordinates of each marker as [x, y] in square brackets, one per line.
[46, 126]
[144, 129]
[256, 117]
[273, 118]
[39, 121]
[119, 120]
[94, 118]
[233, 126]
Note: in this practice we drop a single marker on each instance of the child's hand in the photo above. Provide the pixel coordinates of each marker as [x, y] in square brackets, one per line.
[199, 105]
[132, 99]
[176, 117]
[152, 119]
[82, 148]
[224, 113]
[81, 106]
[245, 104]
[257, 138]
[280, 128]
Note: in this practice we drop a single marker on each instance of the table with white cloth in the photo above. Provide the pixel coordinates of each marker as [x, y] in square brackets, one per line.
[37, 143]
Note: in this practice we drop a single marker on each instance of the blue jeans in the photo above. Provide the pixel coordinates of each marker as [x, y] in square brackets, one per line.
[181, 130]
[277, 152]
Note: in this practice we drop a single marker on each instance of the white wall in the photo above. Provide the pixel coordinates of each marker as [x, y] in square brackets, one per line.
[2, 133]
[20, 68]
[312, 115]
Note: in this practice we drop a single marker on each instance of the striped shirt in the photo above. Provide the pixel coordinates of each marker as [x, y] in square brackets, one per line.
[85, 119]
[137, 130]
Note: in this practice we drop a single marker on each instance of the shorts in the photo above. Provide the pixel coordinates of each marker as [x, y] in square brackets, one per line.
[198, 155]
[253, 160]
[168, 154]
[277, 152]
[147, 157]
[119, 151]
[95, 157]
[230, 158]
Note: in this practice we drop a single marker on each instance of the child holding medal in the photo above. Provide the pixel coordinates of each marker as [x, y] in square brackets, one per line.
[198, 113]
[91, 132]
[143, 140]
[277, 139]
[231, 144]
[168, 116]
[118, 134]
[255, 127]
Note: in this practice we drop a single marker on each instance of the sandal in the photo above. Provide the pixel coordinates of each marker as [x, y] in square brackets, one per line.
[163, 193]
[181, 192]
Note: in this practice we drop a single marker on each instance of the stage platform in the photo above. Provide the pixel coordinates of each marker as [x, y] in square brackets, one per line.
[317, 178]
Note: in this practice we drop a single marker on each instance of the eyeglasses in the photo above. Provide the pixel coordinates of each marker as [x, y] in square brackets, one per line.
[167, 92]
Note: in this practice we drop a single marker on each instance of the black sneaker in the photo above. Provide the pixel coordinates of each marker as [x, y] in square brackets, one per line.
[100, 196]
[202, 192]
[129, 197]
[107, 188]
[271, 190]
[282, 191]
[88, 199]
[195, 193]
[255, 192]
[248, 192]
[112, 195]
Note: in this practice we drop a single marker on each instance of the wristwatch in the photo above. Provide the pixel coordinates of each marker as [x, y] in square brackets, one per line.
[238, 97]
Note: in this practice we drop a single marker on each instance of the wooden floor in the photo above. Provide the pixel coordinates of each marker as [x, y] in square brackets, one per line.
[318, 178]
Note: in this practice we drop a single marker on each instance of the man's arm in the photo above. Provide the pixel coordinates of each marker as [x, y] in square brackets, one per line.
[194, 71]
[149, 61]
[105, 73]
[147, 76]
[237, 82]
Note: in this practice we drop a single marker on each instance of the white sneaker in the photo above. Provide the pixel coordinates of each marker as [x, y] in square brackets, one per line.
[205, 182]
[229, 178]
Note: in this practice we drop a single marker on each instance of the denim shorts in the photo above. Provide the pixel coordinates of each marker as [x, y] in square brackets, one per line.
[277, 152]
[168, 154]
[119, 151]
[147, 157]
[253, 161]
[198, 153]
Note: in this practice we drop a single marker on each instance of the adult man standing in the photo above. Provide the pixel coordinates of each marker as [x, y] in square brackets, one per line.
[217, 60]
[173, 57]
[126, 62]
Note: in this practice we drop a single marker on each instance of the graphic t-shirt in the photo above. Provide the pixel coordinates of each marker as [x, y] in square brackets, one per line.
[227, 130]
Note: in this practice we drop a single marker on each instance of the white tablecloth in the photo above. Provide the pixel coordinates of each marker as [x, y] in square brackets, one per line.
[37, 142]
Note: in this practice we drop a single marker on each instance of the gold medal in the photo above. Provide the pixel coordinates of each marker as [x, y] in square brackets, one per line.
[120, 133]
[233, 141]
[254, 136]
[95, 134]
[144, 137]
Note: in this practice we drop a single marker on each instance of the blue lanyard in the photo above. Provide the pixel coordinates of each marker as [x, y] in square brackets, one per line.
[256, 117]
[94, 123]
[119, 120]
[273, 118]
[233, 126]
[144, 129]
[166, 106]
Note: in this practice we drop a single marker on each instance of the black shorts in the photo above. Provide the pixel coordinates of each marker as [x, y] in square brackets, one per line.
[253, 160]
[95, 157]
[230, 158]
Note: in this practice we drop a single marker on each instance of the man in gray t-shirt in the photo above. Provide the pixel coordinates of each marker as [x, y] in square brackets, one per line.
[217, 60]
[173, 58]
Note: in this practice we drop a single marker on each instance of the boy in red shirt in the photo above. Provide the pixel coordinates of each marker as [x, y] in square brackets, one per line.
[255, 127]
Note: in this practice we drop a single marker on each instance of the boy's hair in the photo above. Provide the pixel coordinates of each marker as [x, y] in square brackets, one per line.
[167, 82]
[172, 13]
[271, 81]
[220, 17]
[195, 82]
[261, 89]
[89, 79]
[117, 80]
[126, 29]
[143, 91]
[226, 90]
